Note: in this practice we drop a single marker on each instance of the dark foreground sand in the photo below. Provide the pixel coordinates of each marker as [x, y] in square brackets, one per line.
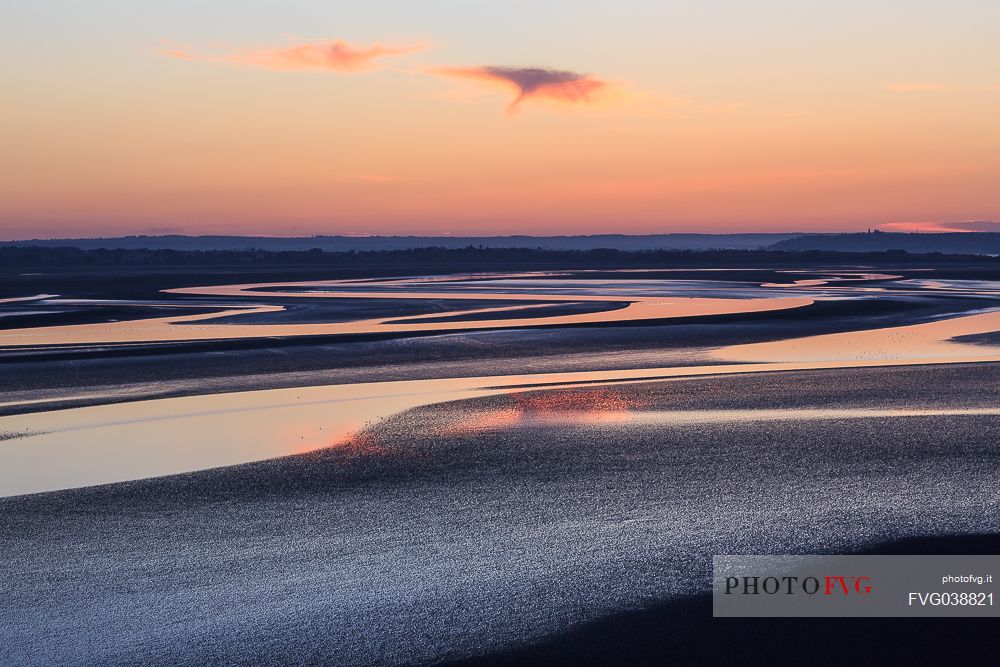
[452, 533]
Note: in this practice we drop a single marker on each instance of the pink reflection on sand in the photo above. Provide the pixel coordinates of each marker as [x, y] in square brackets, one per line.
[356, 444]
[586, 406]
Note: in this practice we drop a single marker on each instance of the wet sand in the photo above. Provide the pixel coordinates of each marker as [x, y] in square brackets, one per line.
[637, 305]
[77, 375]
[528, 521]
[56, 450]
[428, 537]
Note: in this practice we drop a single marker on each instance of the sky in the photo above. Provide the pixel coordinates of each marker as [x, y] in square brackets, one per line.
[467, 117]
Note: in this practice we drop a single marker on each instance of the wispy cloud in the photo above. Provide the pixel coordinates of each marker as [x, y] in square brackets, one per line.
[336, 56]
[533, 83]
[932, 227]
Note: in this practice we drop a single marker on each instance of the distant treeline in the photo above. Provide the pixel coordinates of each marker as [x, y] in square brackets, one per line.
[472, 256]
[960, 243]
[628, 242]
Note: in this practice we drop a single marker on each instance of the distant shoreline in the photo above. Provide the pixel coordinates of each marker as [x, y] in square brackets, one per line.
[970, 243]
[476, 258]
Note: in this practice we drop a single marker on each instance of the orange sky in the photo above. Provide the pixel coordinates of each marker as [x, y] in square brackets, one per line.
[575, 118]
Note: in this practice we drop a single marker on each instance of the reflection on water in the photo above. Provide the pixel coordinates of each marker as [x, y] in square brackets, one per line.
[108, 443]
[643, 299]
[22, 299]
[930, 341]
[640, 306]
[84, 446]
[831, 278]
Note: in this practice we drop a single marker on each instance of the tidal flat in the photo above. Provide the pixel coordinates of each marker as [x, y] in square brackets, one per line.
[514, 491]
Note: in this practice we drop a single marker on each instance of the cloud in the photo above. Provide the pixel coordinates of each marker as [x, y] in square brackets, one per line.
[179, 54]
[336, 56]
[936, 227]
[533, 83]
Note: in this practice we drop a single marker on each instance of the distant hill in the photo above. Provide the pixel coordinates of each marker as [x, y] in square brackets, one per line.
[970, 243]
[366, 243]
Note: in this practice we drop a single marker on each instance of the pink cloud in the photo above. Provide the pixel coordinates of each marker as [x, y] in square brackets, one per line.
[336, 56]
[534, 83]
[937, 227]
